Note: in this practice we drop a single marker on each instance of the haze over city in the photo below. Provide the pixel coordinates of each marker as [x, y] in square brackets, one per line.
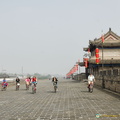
[48, 36]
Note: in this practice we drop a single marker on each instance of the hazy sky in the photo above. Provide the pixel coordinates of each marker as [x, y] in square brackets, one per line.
[48, 36]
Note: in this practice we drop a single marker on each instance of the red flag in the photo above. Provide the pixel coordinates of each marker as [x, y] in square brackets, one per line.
[102, 37]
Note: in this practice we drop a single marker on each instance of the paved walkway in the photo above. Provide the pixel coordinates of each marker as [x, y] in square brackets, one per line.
[71, 102]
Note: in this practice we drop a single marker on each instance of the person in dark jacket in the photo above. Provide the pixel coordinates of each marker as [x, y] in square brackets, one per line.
[54, 79]
[17, 80]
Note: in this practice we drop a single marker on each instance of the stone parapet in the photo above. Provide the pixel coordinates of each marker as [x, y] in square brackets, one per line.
[111, 82]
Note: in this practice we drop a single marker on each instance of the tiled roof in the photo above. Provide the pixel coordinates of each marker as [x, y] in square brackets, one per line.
[110, 39]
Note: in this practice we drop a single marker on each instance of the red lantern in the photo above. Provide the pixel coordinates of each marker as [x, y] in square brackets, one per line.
[85, 59]
[86, 62]
[97, 50]
[88, 49]
[97, 55]
[97, 60]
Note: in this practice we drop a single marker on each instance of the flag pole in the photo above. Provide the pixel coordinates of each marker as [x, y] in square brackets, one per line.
[78, 69]
[103, 81]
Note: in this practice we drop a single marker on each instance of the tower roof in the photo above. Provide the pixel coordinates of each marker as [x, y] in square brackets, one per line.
[110, 40]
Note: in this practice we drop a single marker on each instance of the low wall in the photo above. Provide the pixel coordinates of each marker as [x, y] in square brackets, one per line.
[80, 76]
[111, 82]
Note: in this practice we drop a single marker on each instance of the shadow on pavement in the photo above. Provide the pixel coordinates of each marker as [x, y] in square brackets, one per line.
[109, 92]
[85, 91]
[74, 81]
[29, 92]
[50, 91]
[22, 89]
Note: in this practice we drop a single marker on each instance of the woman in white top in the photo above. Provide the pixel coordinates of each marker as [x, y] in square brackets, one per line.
[91, 78]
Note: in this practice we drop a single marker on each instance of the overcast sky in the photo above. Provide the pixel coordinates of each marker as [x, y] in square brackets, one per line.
[48, 36]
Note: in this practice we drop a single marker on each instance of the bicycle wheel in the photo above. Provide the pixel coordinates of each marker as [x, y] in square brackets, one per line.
[33, 89]
[55, 88]
[91, 88]
[17, 87]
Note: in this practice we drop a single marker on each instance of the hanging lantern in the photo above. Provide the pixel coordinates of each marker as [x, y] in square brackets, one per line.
[86, 62]
[97, 56]
[88, 49]
[97, 50]
[97, 60]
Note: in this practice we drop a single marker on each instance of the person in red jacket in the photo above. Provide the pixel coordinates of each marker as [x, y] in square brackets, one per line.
[4, 83]
[34, 80]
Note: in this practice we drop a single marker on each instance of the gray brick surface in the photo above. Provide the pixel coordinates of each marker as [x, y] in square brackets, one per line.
[71, 102]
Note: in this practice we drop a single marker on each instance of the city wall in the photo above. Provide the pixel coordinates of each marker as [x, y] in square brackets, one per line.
[111, 79]
[81, 76]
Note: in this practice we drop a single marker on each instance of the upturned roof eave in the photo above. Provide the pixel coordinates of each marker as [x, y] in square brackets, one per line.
[85, 49]
[98, 42]
[80, 63]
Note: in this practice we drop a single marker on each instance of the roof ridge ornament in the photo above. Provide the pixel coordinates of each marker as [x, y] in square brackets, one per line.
[109, 29]
[95, 39]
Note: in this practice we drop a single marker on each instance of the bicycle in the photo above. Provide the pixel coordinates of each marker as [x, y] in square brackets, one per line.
[27, 86]
[90, 87]
[55, 86]
[34, 88]
[4, 87]
[17, 86]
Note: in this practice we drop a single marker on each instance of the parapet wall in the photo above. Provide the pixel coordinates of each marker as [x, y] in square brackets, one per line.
[111, 78]
[80, 76]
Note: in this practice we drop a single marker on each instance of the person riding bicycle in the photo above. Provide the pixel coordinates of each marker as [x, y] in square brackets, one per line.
[91, 79]
[34, 84]
[4, 83]
[17, 80]
[30, 80]
[27, 82]
[34, 80]
[54, 80]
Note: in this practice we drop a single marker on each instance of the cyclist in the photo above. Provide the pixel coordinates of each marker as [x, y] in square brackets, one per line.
[27, 82]
[54, 79]
[4, 83]
[34, 80]
[34, 83]
[17, 80]
[17, 83]
[91, 79]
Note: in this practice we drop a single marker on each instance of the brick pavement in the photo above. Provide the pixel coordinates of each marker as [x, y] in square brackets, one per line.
[71, 102]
